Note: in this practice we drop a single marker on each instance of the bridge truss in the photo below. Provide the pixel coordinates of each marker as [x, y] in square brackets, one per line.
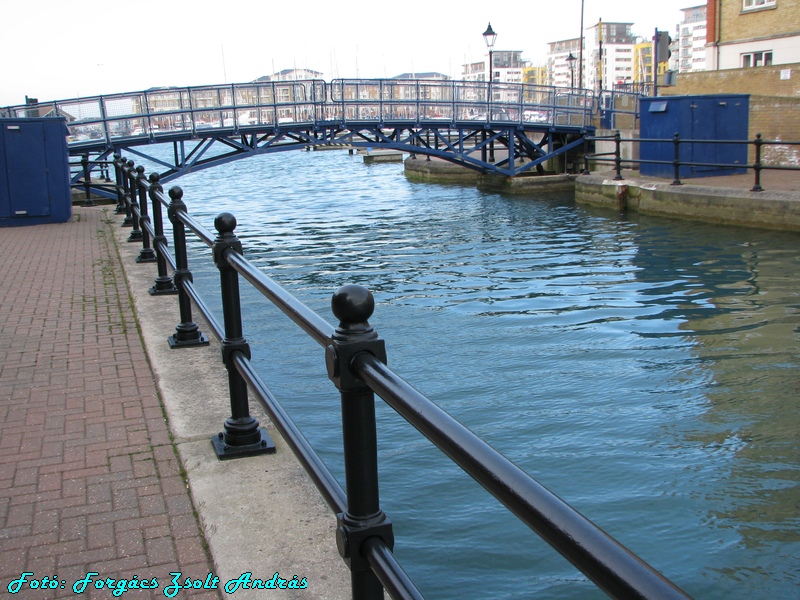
[500, 128]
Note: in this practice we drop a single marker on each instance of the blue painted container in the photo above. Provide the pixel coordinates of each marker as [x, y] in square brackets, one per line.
[713, 117]
[34, 172]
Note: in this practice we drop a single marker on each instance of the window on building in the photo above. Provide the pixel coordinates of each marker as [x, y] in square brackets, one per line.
[751, 4]
[756, 59]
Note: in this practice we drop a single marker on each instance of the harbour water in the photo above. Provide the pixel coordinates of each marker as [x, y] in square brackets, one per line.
[644, 370]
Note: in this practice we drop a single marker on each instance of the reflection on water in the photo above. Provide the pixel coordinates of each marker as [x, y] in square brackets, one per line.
[645, 370]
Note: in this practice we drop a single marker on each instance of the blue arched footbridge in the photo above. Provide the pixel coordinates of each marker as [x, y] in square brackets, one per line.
[500, 128]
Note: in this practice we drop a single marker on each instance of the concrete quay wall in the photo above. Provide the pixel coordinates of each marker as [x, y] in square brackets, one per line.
[778, 210]
[709, 200]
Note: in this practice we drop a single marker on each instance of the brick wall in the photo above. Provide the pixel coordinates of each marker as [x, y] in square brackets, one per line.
[765, 81]
[739, 25]
[776, 119]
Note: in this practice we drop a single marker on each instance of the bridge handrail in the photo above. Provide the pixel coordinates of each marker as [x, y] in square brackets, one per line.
[161, 112]
[355, 360]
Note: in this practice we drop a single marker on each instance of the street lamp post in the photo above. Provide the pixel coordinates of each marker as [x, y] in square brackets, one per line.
[489, 37]
[571, 62]
[580, 52]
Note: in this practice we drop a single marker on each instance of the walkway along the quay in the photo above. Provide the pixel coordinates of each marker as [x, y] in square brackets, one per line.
[106, 465]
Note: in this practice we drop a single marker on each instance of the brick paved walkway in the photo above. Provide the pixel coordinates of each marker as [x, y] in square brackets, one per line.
[89, 479]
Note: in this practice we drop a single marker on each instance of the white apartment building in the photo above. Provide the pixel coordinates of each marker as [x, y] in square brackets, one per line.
[562, 63]
[616, 67]
[508, 67]
[691, 40]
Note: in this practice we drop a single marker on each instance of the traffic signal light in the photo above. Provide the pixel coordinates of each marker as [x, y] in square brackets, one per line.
[662, 46]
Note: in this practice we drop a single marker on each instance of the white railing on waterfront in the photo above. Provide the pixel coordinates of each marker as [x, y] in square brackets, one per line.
[235, 108]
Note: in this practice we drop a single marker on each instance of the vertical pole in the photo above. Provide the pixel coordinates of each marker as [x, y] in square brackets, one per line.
[353, 305]
[676, 161]
[187, 333]
[242, 435]
[133, 206]
[146, 254]
[655, 63]
[127, 167]
[618, 156]
[87, 181]
[585, 154]
[757, 164]
[120, 184]
[580, 52]
[163, 282]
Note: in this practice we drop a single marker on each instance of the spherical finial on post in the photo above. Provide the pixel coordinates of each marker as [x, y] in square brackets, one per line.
[353, 305]
[175, 193]
[154, 178]
[225, 223]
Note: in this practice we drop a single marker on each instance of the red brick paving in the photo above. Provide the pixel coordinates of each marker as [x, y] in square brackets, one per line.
[89, 479]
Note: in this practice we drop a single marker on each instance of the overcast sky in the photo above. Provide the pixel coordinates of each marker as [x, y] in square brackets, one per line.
[59, 49]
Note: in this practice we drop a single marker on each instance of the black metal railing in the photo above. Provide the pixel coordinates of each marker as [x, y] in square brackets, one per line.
[81, 177]
[355, 359]
[677, 162]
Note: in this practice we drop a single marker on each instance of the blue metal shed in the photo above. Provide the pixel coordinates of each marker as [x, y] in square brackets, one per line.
[714, 117]
[34, 171]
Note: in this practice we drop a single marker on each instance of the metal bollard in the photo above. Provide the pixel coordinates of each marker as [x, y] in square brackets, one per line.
[187, 333]
[146, 254]
[163, 282]
[353, 306]
[242, 435]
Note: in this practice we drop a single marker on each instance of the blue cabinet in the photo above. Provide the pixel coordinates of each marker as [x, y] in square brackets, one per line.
[722, 118]
[34, 172]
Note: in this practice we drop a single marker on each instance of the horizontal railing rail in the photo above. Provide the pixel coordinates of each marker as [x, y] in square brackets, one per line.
[355, 360]
[677, 162]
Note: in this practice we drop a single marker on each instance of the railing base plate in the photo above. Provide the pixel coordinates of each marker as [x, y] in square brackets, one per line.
[201, 340]
[226, 452]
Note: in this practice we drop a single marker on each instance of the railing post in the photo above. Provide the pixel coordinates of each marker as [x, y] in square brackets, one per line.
[618, 156]
[120, 189]
[146, 254]
[757, 164]
[353, 306]
[136, 232]
[242, 435]
[163, 282]
[676, 161]
[127, 167]
[585, 155]
[187, 333]
[87, 181]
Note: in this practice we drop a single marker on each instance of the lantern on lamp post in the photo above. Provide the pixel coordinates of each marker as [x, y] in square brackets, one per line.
[489, 36]
[571, 62]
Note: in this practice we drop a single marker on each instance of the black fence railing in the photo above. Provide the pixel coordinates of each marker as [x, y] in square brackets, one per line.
[81, 177]
[355, 359]
[677, 162]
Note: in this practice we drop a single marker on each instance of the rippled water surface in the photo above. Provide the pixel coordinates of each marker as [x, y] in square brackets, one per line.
[644, 370]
